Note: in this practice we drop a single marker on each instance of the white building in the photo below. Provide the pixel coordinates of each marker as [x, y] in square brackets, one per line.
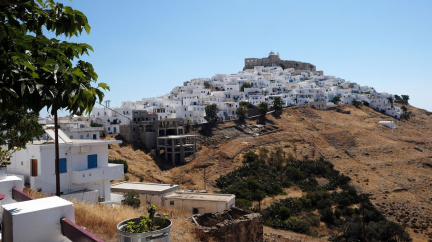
[199, 202]
[83, 166]
[149, 193]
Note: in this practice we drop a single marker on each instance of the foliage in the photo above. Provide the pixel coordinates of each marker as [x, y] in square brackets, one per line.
[327, 215]
[250, 157]
[263, 109]
[334, 201]
[94, 124]
[242, 111]
[403, 99]
[38, 72]
[16, 129]
[262, 153]
[391, 100]
[406, 115]
[356, 103]
[245, 85]
[277, 157]
[5, 156]
[120, 161]
[243, 203]
[146, 223]
[211, 113]
[187, 126]
[207, 85]
[131, 199]
[278, 105]
[336, 100]
[297, 225]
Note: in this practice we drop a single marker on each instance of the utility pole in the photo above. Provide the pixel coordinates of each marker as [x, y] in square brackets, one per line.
[204, 166]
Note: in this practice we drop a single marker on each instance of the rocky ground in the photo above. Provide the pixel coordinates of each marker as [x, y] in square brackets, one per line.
[394, 166]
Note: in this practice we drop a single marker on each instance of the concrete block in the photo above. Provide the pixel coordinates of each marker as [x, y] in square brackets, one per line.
[36, 220]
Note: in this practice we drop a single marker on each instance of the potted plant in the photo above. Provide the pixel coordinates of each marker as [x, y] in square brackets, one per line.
[5, 156]
[145, 228]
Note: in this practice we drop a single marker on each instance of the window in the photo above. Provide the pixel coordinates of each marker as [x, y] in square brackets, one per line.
[62, 165]
[195, 210]
[91, 161]
[172, 203]
[81, 136]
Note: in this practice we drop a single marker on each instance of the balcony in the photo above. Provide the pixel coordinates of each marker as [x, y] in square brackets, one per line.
[83, 129]
[112, 172]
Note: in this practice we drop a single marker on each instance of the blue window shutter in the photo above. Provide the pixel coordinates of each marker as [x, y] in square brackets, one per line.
[62, 164]
[92, 161]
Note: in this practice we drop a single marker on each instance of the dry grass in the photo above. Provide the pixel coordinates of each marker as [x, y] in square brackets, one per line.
[383, 163]
[102, 220]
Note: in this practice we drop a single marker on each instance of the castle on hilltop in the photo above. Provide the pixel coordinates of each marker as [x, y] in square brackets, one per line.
[274, 60]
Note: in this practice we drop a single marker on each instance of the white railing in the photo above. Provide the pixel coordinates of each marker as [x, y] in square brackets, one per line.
[112, 172]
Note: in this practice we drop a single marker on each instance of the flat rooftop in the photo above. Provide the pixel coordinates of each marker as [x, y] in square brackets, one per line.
[178, 136]
[201, 196]
[77, 142]
[144, 188]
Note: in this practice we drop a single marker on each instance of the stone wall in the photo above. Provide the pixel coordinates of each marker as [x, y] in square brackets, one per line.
[273, 59]
[231, 225]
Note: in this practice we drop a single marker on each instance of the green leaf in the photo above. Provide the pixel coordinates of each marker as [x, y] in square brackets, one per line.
[11, 92]
[29, 65]
[104, 86]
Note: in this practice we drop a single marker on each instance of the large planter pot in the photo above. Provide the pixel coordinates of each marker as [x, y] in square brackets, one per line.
[3, 172]
[161, 235]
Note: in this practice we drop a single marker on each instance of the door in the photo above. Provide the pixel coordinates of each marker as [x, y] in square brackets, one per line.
[34, 168]
[92, 161]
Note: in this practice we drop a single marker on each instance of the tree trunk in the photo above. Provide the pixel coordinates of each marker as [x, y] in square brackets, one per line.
[57, 156]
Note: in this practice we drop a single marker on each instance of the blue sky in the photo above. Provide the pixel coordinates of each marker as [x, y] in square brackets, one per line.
[145, 48]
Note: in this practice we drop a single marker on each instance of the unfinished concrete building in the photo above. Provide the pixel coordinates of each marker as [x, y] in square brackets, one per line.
[143, 129]
[167, 136]
[176, 148]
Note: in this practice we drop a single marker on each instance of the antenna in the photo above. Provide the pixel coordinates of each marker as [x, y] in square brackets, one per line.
[107, 103]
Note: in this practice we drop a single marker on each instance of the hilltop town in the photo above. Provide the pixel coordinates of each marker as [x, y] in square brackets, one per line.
[262, 80]
[160, 122]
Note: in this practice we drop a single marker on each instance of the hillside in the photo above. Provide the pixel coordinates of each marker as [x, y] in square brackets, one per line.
[394, 166]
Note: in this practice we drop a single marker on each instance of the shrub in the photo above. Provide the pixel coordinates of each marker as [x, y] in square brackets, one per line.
[294, 174]
[386, 231]
[313, 220]
[327, 215]
[131, 199]
[250, 157]
[243, 203]
[298, 225]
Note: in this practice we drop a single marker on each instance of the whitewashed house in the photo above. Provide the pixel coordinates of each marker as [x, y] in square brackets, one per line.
[83, 166]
